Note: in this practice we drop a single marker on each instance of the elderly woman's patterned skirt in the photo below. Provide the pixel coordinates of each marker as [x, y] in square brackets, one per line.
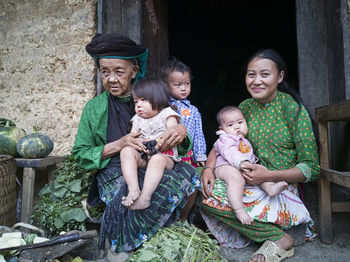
[127, 229]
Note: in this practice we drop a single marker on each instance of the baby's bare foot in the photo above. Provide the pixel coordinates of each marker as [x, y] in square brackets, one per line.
[243, 216]
[277, 188]
[130, 198]
[141, 203]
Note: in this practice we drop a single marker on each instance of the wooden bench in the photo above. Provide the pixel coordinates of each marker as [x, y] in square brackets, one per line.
[329, 113]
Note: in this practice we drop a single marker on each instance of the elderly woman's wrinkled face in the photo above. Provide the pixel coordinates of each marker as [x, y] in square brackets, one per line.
[262, 79]
[117, 74]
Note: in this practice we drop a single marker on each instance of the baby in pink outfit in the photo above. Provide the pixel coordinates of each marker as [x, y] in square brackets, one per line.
[232, 149]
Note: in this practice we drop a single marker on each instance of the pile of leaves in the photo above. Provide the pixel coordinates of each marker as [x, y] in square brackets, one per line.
[60, 207]
[179, 242]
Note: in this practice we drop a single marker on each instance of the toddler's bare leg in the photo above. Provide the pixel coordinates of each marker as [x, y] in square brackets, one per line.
[130, 161]
[273, 189]
[154, 173]
[235, 184]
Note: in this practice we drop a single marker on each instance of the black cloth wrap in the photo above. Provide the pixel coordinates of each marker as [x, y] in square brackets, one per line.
[151, 147]
[104, 45]
[119, 114]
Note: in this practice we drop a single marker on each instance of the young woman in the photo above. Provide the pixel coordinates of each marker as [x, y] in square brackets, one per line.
[281, 133]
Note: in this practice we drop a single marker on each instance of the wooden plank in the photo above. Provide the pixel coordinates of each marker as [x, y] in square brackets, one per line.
[155, 34]
[334, 112]
[39, 162]
[27, 193]
[323, 137]
[341, 206]
[339, 178]
[324, 194]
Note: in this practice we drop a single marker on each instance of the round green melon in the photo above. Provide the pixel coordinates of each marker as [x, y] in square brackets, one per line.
[9, 136]
[35, 145]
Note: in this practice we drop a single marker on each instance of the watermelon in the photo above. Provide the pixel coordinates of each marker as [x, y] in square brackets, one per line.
[9, 136]
[36, 145]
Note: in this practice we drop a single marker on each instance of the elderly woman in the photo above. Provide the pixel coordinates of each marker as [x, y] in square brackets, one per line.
[103, 133]
[282, 136]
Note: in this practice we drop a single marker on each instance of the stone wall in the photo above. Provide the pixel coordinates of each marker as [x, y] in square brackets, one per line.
[46, 76]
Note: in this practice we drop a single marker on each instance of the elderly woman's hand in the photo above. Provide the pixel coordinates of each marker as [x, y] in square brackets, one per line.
[171, 137]
[133, 140]
[254, 174]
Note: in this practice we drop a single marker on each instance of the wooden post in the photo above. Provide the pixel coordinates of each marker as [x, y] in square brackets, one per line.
[324, 188]
[27, 194]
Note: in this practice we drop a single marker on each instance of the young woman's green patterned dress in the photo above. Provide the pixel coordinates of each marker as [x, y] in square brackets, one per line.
[282, 139]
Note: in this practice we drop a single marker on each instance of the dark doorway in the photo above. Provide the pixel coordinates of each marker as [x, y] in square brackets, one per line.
[215, 38]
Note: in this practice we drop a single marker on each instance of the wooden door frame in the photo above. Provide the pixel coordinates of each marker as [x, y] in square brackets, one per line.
[323, 61]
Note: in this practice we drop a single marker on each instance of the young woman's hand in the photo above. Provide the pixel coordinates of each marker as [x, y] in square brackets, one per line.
[207, 179]
[254, 174]
[208, 176]
[171, 137]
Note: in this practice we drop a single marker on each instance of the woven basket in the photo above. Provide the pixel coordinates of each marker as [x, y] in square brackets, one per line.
[8, 198]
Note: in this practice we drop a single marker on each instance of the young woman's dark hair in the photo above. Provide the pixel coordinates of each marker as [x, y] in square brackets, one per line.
[283, 86]
[153, 90]
[173, 65]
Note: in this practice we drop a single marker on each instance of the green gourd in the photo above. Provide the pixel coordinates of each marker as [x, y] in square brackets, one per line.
[9, 136]
[36, 145]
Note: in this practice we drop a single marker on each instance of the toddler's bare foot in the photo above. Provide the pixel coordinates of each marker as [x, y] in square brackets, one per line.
[275, 189]
[141, 203]
[130, 198]
[243, 216]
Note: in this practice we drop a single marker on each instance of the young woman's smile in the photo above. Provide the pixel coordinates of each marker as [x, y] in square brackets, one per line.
[262, 79]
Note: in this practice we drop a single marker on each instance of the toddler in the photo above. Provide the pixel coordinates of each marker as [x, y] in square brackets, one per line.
[232, 149]
[178, 77]
[153, 117]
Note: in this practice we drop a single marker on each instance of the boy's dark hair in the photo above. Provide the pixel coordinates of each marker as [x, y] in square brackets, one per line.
[174, 65]
[153, 90]
[224, 110]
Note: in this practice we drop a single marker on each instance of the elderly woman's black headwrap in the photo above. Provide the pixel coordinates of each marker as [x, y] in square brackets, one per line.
[118, 46]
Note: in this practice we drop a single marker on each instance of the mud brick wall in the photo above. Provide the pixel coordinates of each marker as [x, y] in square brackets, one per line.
[46, 76]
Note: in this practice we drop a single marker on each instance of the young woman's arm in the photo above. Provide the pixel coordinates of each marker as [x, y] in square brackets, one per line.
[256, 174]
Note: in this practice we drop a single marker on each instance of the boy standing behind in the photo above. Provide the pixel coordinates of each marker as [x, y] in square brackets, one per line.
[178, 77]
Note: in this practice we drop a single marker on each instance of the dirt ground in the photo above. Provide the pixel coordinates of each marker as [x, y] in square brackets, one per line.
[315, 251]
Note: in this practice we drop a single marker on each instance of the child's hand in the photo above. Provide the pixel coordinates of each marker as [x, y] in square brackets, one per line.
[200, 163]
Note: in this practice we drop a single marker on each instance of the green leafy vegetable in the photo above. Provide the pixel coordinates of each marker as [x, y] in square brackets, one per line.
[179, 242]
[60, 208]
